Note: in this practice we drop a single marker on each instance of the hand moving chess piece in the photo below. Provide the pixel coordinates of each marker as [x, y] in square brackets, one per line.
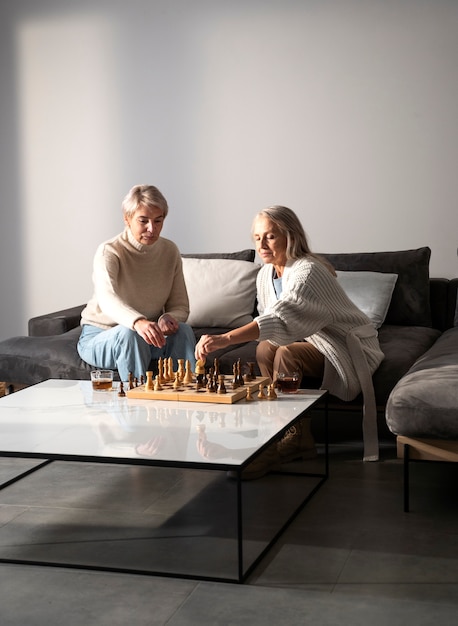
[200, 374]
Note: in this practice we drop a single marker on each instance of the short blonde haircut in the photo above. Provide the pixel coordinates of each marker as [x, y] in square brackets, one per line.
[144, 196]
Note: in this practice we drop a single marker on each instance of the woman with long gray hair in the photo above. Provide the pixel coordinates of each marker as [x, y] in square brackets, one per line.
[306, 323]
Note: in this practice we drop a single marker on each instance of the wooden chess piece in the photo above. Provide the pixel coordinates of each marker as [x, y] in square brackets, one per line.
[240, 380]
[271, 395]
[170, 371]
[248, 397]
[149, 381]
[200, 374]
[131, 380]
[121, 392]
[250, 375]
[261, 394]
[176, 382]
[221, 386]
[188, 373]
[157, 384]
[180, 370]
[160, 368]
[165, 371]
[211, 387]
[235, 378]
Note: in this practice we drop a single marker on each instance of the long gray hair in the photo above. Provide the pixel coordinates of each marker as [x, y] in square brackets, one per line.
[297, 245]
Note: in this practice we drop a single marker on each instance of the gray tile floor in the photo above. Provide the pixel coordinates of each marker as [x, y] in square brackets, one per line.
[352, 556]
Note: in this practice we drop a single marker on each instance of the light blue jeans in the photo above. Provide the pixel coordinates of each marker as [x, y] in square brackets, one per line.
[123, 349]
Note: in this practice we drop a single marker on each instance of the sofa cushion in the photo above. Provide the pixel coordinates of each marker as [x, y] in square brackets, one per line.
[370, 291]
[425, 402]
[222, 292]
[410, 302]
[402, 346]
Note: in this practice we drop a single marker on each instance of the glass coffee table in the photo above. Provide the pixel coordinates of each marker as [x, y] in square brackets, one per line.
[215, 527]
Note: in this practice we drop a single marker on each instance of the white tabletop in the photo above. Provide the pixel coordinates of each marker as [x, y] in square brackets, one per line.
[65, 418]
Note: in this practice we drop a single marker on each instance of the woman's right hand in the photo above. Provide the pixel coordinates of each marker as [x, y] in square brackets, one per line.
[150, 332]
[210, 343]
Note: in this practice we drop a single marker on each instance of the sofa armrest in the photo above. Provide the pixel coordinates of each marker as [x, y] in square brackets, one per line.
[55, 323]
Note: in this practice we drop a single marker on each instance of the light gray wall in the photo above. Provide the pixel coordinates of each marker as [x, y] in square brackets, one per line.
[344, 110]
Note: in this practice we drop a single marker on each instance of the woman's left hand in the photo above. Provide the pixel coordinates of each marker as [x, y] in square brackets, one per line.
[168, 324]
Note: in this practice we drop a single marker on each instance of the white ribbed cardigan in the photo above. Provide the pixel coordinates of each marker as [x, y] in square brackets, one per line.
[313, 306]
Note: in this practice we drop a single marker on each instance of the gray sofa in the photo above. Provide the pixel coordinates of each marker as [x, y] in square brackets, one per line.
[424, 402]
[420, 310]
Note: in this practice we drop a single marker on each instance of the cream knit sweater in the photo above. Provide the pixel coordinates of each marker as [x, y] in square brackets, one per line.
[132, 281]
[313, 306]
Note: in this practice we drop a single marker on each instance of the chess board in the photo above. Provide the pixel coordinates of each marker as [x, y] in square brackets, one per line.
[188, 393]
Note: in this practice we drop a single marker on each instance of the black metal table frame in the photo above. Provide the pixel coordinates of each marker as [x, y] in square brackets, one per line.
[243, 573]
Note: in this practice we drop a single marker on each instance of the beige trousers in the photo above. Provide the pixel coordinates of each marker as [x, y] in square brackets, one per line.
[300, 356]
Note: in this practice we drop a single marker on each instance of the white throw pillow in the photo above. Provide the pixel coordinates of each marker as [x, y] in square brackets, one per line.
[221, 292]
[370, 291]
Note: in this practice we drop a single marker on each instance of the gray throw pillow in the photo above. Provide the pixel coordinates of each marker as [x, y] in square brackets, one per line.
[410, 302]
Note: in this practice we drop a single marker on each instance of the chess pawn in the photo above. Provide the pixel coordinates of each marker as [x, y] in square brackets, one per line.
[221, 386]
[271, 395]
[131, 380]
[157, 384]
[211, 387]
[248, 397]
[149, 381]
[261, 394]
[121, 392]
[176, 382]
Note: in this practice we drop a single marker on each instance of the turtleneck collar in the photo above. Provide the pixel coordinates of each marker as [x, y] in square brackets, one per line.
[140, 247]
